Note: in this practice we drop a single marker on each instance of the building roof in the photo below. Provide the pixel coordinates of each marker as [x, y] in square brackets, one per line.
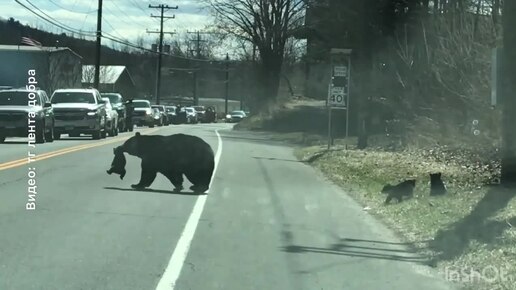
[36, 49]
[109, 74]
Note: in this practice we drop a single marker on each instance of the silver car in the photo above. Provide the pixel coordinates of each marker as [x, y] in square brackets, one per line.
[111, 118]
[79, 111]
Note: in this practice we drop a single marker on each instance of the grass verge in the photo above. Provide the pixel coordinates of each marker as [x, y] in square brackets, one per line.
[472, 228]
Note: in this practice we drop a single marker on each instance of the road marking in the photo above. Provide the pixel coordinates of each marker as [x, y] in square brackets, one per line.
[169, 278]
[24, 161]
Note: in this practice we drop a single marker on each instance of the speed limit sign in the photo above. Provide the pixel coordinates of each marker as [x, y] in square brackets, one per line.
[337, 97]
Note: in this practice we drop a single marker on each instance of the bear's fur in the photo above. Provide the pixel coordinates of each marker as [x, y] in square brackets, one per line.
[118, 164]
[405, 188]
[437, 186]
[172, 156]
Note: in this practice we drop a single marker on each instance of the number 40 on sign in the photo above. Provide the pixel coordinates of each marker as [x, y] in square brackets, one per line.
[337, 97]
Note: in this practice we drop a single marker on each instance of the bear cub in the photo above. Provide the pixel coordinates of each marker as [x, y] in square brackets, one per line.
[437, 186]
[118, 164]
[405, 188]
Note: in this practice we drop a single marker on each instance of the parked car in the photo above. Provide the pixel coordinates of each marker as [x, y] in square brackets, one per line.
[15, 110]
[118, 103]
[163, 113]
[235, 116]
[201, 111]
[171, 114]
[157, 116]
[142, 115]
[111, 118]
[191, 115]
[79, 111]
[210, 116]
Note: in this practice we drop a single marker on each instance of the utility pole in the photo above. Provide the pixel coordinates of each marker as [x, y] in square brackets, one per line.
[227, 85]
[163, 8]
[96, 80]
[198, 41]
[508, 174]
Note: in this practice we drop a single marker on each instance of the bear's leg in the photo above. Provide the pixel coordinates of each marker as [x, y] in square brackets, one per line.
[200, 180]
[176, 179]
[147, 177]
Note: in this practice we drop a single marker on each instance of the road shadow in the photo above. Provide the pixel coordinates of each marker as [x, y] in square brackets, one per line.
[156, 191]
[7, 142]
[277, 159]
[453, 241]
[364, 249]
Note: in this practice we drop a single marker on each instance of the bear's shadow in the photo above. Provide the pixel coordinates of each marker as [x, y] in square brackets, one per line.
[156, 191]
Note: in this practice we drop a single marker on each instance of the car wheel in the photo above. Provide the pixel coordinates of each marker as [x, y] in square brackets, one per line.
[96, 135]
[40, 134]
[2, 139]
[57, 136]
[103, 134]
[50, 135]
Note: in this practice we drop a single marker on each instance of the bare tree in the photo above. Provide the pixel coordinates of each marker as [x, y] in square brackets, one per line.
[268, 24]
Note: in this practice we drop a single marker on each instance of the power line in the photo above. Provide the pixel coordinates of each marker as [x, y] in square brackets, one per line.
[69, 10]
[55, 22]
[109, 36]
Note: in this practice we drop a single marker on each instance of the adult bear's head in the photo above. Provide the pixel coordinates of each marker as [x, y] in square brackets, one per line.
[133, 145]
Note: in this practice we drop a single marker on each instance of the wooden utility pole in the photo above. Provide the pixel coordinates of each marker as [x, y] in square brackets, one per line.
[96, 80]
[508, 176]
[227, 85]
[163, 8]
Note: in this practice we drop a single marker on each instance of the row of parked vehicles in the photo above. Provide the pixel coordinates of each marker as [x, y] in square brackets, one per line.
[85, 111]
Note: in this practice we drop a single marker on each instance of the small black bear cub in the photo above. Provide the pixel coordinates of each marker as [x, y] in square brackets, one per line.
[118, 164]
[405, 188]
[437, 186]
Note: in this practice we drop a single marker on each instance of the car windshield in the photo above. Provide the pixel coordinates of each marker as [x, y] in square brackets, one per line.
[190, 110]
[171, 109]
[238, 113]
[115, 99]
[160, 108]
[73, 97]
[16, 98]
[141, 104]
[199, 108]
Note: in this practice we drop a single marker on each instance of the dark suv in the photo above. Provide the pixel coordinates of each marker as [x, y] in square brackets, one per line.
[117, 102]
[16, 111]
[79, 111]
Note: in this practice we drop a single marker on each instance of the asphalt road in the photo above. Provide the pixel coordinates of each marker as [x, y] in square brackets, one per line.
[268, 222]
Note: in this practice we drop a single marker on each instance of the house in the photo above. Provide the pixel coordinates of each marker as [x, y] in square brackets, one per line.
[112, 78]
[55, 67]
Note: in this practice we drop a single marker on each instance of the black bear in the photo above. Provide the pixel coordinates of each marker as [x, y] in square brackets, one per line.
[172, 156]
[405, 188]
[118, 164]
[437, 186]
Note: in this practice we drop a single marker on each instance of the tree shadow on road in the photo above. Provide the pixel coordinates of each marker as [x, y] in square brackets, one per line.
[356, 248]
[454, 241]
[277, 159]
[156, 191]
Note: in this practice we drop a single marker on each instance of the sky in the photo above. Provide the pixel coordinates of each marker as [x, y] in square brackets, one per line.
[126, 19]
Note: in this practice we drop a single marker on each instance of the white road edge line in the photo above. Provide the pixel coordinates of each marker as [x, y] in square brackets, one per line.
[169, 278]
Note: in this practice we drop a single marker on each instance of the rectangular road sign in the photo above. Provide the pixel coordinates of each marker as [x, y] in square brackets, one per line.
[340, 71]
[337, 97]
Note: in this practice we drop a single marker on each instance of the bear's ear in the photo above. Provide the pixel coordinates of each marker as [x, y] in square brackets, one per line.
[137, 134]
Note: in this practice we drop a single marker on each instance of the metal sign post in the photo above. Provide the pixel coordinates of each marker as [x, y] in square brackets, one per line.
[338, 90]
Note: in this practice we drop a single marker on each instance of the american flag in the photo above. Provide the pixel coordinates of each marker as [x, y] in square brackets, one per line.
[30, 41]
